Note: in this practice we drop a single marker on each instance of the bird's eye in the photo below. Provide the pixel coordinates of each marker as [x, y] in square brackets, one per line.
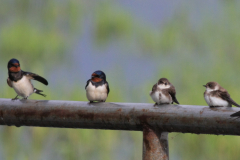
[165, 83]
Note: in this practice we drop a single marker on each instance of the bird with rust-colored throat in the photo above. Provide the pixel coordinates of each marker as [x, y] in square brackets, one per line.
[20, 80]
[97, 88]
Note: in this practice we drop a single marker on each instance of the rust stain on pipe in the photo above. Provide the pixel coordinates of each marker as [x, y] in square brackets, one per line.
[155, 144]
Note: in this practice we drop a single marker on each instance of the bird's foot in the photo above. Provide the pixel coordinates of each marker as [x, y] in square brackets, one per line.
[215, 106]
[15, 98]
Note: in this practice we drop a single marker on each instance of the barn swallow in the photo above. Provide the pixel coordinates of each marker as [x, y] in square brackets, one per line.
[97, 87]
[163, 92]
[217, 96]
[20, 80]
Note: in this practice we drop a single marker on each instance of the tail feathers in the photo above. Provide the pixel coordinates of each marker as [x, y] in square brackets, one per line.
[235, 114]
[235, 104]
[39, 92]
[175, 100]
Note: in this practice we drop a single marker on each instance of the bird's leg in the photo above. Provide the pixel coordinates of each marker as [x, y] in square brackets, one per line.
[102, 101]
[155, 104]
[15, 98]
[25, 98]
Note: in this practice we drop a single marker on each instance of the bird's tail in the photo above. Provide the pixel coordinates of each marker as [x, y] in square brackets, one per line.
[235, 114]
[39, 92]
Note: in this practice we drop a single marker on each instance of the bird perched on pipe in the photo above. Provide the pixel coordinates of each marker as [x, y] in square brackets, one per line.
[20, 80]
[217, 96]
[163, 92]
[97, 88]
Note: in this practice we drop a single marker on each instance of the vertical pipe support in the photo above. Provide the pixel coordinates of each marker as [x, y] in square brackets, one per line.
[155, 144]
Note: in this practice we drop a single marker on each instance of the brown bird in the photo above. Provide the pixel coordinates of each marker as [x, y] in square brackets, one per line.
[163, 92]
[217, 96]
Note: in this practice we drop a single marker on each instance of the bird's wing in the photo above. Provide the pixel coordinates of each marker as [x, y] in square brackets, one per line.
[87, 83]
[226, 96]
[108, 89]
[9, 82]
[35, 77]
[172, 92]
[154, 88]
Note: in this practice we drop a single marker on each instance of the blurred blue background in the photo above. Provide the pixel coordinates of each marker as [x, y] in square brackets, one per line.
[135, 44]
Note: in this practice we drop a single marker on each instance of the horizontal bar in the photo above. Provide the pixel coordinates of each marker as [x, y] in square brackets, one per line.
[119, 116]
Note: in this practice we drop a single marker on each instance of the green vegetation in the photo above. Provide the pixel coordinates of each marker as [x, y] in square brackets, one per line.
[188, 51]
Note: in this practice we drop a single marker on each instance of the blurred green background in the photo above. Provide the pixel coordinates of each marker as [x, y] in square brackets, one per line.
[135, 44]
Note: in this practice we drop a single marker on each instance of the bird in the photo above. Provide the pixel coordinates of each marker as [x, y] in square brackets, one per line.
[217, 96]
[163, 92]
[20, 80]
[97, 88]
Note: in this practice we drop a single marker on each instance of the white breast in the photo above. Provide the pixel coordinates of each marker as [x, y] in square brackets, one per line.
[207, 99]
[96, 93]
[214, 101]
[162, 100]
[155, 96]
[165, 99]
[23, 87]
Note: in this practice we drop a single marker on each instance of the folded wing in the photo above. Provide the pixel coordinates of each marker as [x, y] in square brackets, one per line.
[172, 92]
[108, 89]
[9, 82]
[226, 96]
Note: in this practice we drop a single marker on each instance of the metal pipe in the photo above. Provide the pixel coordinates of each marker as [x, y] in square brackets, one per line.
[119, 116]
[155, 144]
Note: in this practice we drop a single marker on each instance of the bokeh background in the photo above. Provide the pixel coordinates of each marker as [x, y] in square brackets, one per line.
[135, 44]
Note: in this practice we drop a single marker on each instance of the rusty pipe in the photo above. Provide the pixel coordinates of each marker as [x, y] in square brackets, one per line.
[119, 116]
[155, 144]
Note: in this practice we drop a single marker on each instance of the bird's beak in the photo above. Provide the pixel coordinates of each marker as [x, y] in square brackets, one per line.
[16, 65]
[94, 75]
[204, 86]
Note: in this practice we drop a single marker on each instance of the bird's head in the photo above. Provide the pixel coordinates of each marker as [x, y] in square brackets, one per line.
[14, 65]
[98, 76]
[211, 86]
[164, 83]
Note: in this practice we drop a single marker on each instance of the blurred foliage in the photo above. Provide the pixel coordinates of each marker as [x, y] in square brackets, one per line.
[39, 30]
[188, 51]
[112, 23]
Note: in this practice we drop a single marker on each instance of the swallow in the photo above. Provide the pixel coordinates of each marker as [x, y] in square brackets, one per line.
[97, 88]
[217, 96]
[20, 80]
[163, 92]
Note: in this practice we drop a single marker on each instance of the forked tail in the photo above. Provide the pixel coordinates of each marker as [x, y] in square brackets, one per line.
[39, 92]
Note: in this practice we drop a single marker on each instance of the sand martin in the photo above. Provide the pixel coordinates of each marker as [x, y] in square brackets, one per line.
[217, 96]
[163, 92]
[97, 87]
[20, 80]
